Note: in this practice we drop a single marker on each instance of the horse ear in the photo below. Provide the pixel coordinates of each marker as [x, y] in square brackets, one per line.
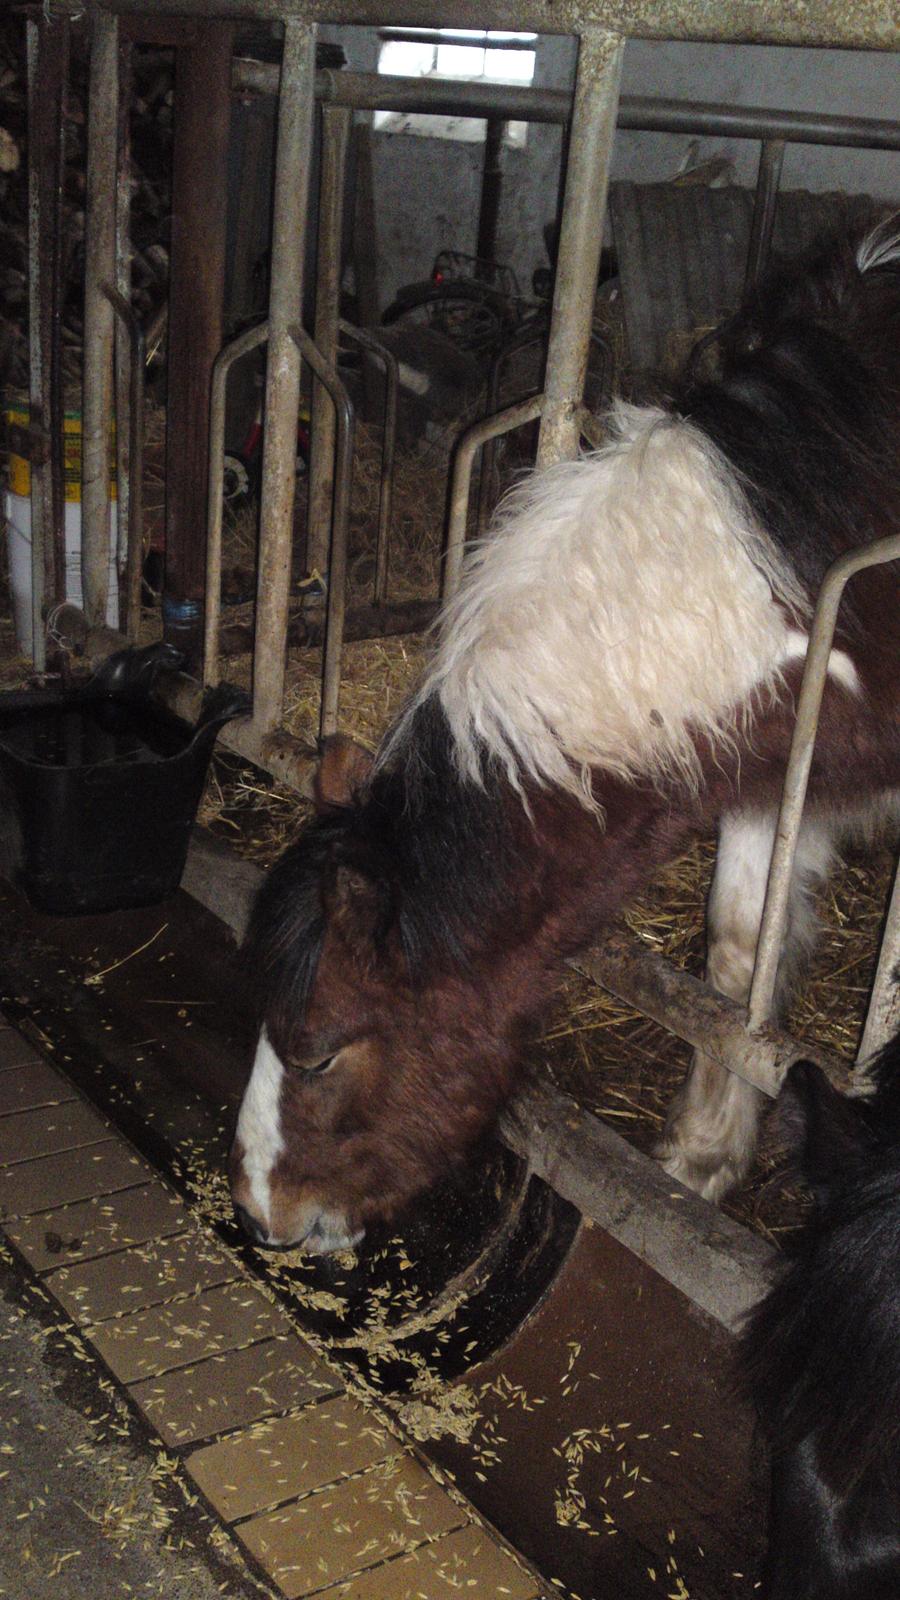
[357, 907]
[344, 767]
[828, 1129]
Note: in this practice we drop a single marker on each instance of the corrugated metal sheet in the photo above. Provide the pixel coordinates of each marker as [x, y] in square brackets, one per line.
[682, 253]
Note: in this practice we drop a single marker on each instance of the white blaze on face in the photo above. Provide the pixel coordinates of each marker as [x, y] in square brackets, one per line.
[259, 1126]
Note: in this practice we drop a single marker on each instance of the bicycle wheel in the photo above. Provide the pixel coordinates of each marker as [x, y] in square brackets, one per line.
[462, 311]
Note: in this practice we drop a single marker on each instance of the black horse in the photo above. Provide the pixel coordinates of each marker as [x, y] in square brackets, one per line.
[822, 1351]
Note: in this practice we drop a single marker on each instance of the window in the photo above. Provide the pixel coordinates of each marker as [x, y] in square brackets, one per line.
[472, 54]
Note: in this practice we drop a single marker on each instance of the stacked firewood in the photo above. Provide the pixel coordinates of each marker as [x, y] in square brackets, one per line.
[150, 133]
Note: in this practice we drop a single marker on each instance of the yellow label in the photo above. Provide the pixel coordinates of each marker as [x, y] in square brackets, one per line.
[16, 418]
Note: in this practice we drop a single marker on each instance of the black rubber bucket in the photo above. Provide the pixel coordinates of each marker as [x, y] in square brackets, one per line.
[100, 786]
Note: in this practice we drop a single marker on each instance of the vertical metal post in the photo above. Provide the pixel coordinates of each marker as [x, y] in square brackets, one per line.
[125, 336]
[47, 55]
[131, 447]
[99, 317]
[768, 178]
[196, 299]
[883, 1015]
[491, 189]
[336, 124]
[796, 779]
[292, 162]
[249, 340]
[581, 236]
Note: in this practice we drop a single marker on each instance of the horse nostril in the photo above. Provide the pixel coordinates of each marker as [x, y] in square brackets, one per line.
[250, 1225]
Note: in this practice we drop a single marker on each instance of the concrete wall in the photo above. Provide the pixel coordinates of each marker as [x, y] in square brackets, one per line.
[427, 189]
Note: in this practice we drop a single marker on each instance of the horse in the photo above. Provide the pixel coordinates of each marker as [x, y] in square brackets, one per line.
[616, 673]
[821, 1353]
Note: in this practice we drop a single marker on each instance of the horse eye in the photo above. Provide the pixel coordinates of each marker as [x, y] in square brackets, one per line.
[320, 1067]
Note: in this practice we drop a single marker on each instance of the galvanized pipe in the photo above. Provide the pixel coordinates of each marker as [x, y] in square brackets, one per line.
[883, 1015]
[38, 373]
[124, 341]
[461, 481]
[130, 451]
[290, 198]
[99, 318]
[337, 122]
[337, 577]
[768, 179]
[581, 236]
[249, 340]
[371, 91]
[774, 920]
[815, 23]
[388, 448]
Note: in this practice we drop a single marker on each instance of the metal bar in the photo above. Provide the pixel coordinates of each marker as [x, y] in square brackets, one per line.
[337, 579]
[133, 453]
[371, 91]
[124, 339]
[768, 179]
[818, 22]
[771, 935]
[47, 53]
[581, 236]
[491, 190]
[292, 164]
[883, 1015]
[461, 480]
[99, 318]
[202, 118]
[388, 447]
[337, 122]
[249, 340]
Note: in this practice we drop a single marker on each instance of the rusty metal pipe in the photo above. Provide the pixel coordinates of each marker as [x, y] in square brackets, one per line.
[292, 164]
[768, 179]
[388, 449]
[461, 481]
[581, 236]
[774, 919]
[134, 457]
[337, 122]
[99, 318]
[883, 1014]
[370, 91]
[872, 25]
[337, 578]
[232, 352]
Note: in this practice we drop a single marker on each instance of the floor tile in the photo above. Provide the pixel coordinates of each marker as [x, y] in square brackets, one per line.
[89, 1228]
[234, 1389]
[165, 1337]
[48, 1130]
[466, 1561]
[351, 1525]
[290, 1456]
[15, 1051]
[22, 1088]
[146, 1275]
[74, 1175]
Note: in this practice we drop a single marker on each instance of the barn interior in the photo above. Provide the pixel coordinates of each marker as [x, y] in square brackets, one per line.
[291, 296]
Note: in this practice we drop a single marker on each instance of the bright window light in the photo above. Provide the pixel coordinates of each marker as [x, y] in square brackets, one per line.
[471, 54]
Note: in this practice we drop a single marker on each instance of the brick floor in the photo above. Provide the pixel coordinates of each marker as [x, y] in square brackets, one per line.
[323, 1496]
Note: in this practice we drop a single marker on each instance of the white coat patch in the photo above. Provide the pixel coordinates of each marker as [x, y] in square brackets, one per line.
[621, 603]
[259, 1125]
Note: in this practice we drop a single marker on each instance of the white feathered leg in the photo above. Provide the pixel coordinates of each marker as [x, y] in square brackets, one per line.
[710, 1132]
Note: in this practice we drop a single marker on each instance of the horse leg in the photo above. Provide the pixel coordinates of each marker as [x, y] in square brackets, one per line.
[710, 1132]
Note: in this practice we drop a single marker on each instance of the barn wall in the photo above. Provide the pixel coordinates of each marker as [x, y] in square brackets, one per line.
[427, 189]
